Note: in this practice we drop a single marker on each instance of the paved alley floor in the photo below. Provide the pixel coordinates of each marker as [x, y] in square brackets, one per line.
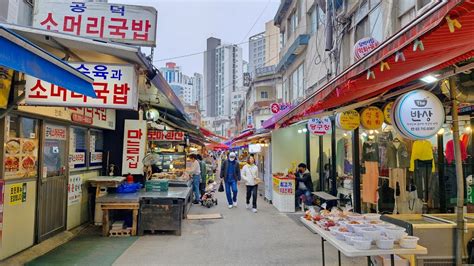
[240, 238]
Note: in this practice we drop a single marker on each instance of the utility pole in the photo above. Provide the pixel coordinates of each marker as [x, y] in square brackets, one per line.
[459, 175]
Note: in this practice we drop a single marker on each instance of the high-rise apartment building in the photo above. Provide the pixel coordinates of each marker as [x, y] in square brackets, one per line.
[209, 97]
[256, 52]
[229, 77]
[182, 85]
[198, 90]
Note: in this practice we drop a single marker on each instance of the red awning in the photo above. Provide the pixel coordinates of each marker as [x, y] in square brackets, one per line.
[441, 49]
[217, 146]
[243, 135]
[206, 132]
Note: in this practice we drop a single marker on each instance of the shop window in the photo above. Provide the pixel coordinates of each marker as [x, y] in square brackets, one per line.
[77, 148]
[21, 148]
[369, 22]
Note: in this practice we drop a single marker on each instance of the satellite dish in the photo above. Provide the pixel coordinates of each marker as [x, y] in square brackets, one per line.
[152, 115]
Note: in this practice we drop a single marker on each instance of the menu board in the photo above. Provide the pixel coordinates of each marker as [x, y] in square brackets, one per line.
[21, 158]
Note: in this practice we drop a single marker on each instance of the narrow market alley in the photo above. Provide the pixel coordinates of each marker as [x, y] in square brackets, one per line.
[240, 238]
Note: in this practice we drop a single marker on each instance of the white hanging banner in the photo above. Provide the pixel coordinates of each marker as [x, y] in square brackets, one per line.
[111, 22]
[134, 144]
[114, 85]
[319, 126]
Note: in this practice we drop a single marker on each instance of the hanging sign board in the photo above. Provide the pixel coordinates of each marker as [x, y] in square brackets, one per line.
[114, 85]
[387, 110]
[348, 120]
[161, 135]
[255, 148]
[364, 46]
[111, 22]
[319, 126]
[134, 143]
[371, 117]
[418, 115]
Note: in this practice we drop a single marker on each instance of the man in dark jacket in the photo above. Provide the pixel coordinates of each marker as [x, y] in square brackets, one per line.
[230, 172]
[202, 164]
[304, 184]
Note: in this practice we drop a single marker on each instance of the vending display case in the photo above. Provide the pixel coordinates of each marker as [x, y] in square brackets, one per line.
[170, 162]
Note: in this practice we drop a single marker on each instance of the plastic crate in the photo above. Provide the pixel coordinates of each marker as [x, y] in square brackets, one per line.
[157, 185]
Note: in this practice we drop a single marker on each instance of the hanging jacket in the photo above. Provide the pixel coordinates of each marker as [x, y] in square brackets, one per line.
[398, 157]
[421, 150]
[370, 152]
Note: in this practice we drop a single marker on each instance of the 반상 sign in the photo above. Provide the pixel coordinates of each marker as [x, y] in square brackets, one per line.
[418, 115]
[112, 22]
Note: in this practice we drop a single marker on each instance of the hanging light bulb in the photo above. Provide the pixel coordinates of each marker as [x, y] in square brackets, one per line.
[468, 129]
[376, 132]
[305, 130]
[371, 132]
[441, 131]
[300, 131]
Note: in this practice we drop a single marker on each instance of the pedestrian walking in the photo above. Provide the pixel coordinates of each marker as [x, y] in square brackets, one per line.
[195, 173]
[250, 176]
[203, 167]
[230, 173]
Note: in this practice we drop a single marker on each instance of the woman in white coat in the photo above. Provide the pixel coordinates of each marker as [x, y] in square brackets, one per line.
[250, 177]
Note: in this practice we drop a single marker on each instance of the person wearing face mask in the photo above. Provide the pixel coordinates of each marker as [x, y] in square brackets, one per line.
[230, 173]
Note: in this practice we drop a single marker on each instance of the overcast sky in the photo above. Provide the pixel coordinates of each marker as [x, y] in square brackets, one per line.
[184, 26]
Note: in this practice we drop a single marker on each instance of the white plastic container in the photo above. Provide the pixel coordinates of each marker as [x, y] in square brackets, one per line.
[372, 216]
[384, 243]
[348, 237]
[371, 233]
[358, 228]
[395, 233]
[361, 243]
[409, 242]
[384, 226]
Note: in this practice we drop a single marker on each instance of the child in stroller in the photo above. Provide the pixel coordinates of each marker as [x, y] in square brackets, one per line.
[208, 199]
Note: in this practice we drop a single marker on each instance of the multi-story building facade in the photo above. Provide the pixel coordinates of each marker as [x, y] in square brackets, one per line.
[16, 12]
[210, 78]
[256, 52]
[272, 44]
[182, 85]
[198, 90]
[317, 42]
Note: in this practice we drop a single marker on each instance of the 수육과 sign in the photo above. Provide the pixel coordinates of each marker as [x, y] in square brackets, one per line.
[111, 22]
[418, 115]
[319, 126]
[114, 85]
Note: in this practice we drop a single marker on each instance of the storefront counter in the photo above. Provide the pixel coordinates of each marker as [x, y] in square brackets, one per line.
[283, 197]
[437, 232]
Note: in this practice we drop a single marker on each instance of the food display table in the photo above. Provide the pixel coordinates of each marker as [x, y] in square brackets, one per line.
[283, 197]
[351, 251]
[105, 182]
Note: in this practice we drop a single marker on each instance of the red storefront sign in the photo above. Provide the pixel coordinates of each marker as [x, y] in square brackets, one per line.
[134, 143]
[160, 135]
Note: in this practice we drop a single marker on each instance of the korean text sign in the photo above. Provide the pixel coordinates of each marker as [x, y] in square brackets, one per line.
[120, 23]
[160, 135]
[134, 142]
[114, 85]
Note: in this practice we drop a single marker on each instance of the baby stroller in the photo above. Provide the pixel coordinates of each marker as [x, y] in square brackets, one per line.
[208, 199]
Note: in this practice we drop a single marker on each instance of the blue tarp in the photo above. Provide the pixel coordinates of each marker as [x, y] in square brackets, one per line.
[21, 55]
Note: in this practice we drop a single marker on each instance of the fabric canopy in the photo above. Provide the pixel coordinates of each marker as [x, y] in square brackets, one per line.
[206, 132]
[21, 55]
[427, 44]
